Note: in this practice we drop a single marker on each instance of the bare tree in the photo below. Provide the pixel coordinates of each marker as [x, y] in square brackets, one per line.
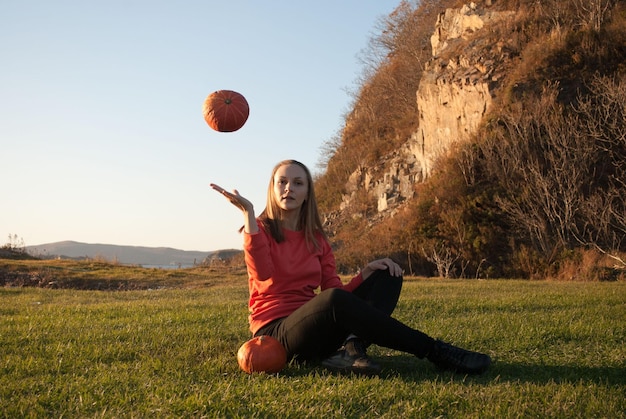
[602, 119]
[443, 257]
[15, 243]
[562, 171]
[593, 13]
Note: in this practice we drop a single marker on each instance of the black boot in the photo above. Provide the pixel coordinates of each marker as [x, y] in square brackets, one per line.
[352, 357]
[452, 358]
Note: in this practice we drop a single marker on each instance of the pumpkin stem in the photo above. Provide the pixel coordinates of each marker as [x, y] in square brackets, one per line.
[227, 101]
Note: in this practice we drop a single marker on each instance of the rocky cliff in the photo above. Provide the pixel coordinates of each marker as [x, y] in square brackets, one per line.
[455, 93]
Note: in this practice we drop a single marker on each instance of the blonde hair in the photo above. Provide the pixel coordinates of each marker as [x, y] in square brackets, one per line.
[309, 220]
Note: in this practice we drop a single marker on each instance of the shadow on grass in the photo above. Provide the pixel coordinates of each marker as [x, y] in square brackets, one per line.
[541, 373]
[410, 368]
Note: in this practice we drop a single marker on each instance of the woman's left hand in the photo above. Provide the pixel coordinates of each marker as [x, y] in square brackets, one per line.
[382, 264]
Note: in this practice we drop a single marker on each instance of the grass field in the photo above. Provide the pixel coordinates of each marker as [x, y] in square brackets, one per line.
[559, 350]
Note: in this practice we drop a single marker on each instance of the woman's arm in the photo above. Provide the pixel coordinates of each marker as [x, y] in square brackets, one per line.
[249, 219]
[256, 246]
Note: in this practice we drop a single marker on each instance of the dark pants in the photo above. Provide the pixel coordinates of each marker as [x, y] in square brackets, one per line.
[319, 327]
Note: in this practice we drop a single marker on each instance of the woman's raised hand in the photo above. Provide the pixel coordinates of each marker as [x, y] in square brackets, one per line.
[237, 200]
[249, 221]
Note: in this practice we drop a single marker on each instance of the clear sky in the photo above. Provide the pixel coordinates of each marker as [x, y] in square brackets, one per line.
[102, 138]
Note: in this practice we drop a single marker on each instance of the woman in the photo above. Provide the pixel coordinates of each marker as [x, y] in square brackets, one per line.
[289, 257]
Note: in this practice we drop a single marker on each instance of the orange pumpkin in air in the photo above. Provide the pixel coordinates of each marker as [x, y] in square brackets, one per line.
[225, 110]
[262, 354]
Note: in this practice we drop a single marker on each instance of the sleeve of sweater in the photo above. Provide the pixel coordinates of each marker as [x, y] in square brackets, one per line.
[257, 255]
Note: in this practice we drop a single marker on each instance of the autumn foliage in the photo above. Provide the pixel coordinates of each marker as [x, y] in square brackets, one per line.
[540, 190]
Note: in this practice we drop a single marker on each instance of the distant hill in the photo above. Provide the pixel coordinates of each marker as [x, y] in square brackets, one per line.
[135, 255]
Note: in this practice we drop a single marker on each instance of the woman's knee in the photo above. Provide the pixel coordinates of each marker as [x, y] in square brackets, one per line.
[396, 280]
[333, 296]
[385, 279]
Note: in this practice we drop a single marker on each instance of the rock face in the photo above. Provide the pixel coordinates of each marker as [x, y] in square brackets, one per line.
[449, 111]
[454, 95]
[455, 91]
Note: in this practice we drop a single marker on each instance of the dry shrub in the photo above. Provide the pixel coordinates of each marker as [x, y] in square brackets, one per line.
[526, 262]
[589, 265]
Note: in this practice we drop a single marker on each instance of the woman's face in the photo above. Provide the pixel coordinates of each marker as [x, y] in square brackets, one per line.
[291, 187]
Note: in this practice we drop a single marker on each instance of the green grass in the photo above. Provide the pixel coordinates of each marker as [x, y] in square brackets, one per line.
[559, 351]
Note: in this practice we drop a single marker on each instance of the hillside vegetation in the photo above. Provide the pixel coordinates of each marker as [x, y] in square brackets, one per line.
[540, 190]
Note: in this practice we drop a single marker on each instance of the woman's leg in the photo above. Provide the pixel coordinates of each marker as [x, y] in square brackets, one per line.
[381, 290]
[320, 326]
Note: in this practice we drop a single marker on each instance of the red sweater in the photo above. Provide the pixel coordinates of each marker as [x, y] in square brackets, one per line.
[284, 276]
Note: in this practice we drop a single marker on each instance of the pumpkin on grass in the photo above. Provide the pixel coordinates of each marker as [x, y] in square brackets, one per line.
[262, 354]
[225, 110]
